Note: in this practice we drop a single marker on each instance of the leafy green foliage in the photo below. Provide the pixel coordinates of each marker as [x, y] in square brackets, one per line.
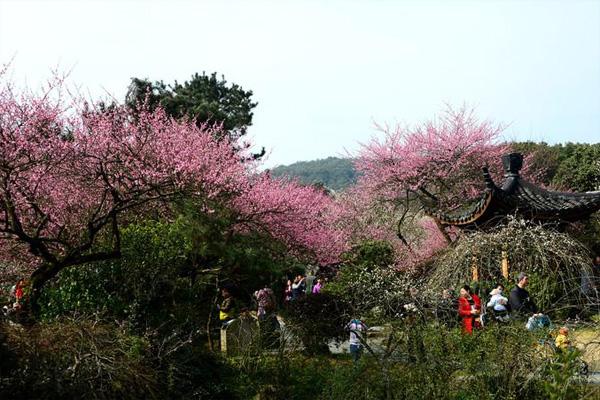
[560, 371]
[147, 285]
[316, 319]
[203, 99]
[579, 169]
[371, 254]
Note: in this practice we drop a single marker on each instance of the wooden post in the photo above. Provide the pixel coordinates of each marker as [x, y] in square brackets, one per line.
[474, 270]
[505, 265]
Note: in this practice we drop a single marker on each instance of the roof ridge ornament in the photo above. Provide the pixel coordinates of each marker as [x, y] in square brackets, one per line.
[513, 162]
[519, 197]
[489, 182]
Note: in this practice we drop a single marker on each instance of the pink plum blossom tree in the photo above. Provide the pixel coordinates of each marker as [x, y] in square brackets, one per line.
[440, 159]
[71, 176]
[436, 163]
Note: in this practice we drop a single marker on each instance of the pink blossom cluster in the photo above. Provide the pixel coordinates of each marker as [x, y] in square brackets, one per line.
[303, 217]
[439, 161]
[367, 217]
[443, 156]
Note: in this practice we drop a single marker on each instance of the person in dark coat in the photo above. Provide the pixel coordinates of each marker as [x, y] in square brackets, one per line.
[519, 300]
[298, 287]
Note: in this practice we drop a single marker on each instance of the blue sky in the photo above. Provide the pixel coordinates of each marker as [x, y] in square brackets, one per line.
[324, 71]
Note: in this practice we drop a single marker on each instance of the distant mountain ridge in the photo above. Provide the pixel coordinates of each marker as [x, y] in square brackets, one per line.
[332, 172]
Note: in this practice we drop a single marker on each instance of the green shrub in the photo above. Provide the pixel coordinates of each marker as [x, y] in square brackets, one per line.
[316, 319]
[417, 360]
[82, 358]
[76, 359]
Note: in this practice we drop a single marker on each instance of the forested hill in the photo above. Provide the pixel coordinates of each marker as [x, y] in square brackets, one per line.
[333, 172]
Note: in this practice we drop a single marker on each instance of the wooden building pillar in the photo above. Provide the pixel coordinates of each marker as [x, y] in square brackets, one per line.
[474, 269]
[505, 265]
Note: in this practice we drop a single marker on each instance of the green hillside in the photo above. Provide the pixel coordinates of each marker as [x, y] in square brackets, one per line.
[333, 172]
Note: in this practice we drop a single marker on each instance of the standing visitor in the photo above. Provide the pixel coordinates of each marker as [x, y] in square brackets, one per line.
[521, 303]
[267, 317]
[266, 302]
[317, 288]
[469, 309]
[357, 330]
[18, 293]
[309, 282]
[298, 287]
[519, 300]
[227, 307]
[287, 293]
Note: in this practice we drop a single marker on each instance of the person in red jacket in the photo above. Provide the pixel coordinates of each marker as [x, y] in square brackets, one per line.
[469, 309]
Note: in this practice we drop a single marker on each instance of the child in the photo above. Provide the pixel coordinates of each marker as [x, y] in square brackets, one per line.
[497, 301]
[562, 339]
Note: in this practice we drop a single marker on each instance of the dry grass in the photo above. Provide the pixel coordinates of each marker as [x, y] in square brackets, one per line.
[588, 340]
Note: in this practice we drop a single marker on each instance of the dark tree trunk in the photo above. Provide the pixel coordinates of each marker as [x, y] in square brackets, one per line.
[39, 278]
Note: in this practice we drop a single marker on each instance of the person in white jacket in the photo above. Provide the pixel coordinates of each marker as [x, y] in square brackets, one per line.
[497, 301]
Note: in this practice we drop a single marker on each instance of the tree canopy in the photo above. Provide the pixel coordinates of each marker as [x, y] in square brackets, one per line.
[72, 178]
[203, 99]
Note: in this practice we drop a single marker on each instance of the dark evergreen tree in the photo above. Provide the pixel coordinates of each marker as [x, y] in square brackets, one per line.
[203, 99]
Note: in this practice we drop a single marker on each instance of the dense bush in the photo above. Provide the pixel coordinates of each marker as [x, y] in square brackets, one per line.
[97, 360]
[368, 281]
[419, 360]
[149, 285]
[76, 359]
[316, 319]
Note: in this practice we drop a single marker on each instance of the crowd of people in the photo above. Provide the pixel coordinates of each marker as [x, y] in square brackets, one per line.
[301, 286]
[265, 300]
[500, 308]
[474, 314]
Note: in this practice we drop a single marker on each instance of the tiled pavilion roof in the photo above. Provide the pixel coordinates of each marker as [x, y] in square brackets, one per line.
[517, 196]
